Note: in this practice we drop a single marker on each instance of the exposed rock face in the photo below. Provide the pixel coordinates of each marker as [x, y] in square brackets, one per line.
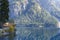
[30, 12]
[52, 6]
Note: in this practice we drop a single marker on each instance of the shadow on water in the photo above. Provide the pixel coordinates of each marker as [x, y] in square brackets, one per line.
[56, 37]
[8, 37]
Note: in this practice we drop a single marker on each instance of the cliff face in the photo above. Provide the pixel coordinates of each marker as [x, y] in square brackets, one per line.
[52, 6]
[30, 12]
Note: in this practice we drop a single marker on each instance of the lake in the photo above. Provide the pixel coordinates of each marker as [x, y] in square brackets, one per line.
[33, 33]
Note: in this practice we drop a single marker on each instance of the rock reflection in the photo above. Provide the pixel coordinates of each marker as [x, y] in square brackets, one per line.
[11, 36]
[8, 37]
[33, 34]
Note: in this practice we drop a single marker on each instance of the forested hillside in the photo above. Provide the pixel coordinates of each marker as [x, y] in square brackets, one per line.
[4, 10]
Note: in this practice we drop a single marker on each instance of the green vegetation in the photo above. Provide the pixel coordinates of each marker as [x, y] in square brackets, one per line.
[4, 9]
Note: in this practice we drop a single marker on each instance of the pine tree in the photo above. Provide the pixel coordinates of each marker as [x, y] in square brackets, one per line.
[4, 9]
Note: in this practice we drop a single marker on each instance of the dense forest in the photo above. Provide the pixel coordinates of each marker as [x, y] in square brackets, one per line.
[4, 10]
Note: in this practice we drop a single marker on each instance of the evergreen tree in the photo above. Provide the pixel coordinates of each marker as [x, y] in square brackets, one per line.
[4, 9]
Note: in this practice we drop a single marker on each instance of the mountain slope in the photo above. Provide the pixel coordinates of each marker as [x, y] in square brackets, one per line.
[28, 12]
[52, 6]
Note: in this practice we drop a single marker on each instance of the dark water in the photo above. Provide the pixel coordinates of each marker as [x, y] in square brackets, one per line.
[34, 34]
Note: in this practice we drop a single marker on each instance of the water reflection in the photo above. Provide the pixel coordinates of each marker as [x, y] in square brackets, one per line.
[56, 37]
[11, 37]
[8, 37]
[32, 34]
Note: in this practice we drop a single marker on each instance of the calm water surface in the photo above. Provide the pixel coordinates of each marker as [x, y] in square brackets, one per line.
[34, 34]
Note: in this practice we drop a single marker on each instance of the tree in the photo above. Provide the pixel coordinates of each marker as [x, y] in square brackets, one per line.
[4, 9]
